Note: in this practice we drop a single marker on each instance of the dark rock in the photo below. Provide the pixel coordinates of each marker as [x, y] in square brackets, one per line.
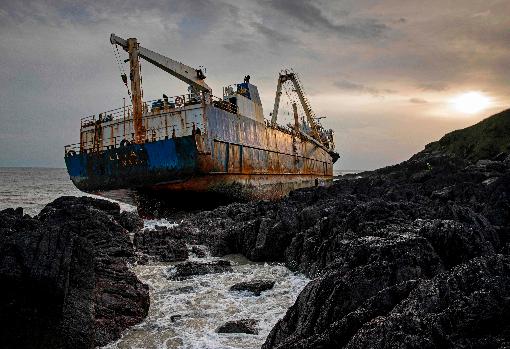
[469, 306]
[175, 318]
[183, 289]
[198, 251]
[161, 243]
[501, 156]
[248, 326]
[13, 212]
[187, 269]
[65, 281]
[254, 286]
[369, 241]
[131, 221]
[490, 165]
[444, 193]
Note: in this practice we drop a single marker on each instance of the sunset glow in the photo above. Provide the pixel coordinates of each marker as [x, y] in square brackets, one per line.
[471, 102]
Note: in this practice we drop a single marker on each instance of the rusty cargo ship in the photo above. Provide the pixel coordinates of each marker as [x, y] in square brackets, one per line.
[197, 142]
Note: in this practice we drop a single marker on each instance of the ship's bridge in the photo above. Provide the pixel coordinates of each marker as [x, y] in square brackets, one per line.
[246, 97]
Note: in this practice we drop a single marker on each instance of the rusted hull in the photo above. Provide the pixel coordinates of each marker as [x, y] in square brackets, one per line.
[244, 187]
[233, 155]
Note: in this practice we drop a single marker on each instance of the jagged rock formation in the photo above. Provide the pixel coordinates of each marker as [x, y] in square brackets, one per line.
[411, 255]
[161, 244]
[185, 270]
[248, 326]
[64, 276]
[256, 287]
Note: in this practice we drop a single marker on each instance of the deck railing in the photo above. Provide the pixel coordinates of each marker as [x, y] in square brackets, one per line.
[151, 107]
[151, 135]
[156, 106]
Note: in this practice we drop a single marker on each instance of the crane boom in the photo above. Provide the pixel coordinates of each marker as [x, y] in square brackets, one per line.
[191, 76]
[317, 134]
[282, 78]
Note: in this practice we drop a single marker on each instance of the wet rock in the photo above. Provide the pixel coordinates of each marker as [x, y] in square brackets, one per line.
[490, 180]
[162, 244]
[490, 165]
[198, 251]
[501, 157]
[444, 193]
[188, 269]
[131, 221]
[248, 326]
[180, 290]
[372, 237]
[64, 275]
[12, 213]
[142, 258]
[468, 306]
[175, 318]
[370, 241]
[255, 286]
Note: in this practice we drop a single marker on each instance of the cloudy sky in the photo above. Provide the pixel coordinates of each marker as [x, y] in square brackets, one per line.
[386, 73]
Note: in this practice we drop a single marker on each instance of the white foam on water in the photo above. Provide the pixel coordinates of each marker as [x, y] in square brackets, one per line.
[151, 224]
[208, 305]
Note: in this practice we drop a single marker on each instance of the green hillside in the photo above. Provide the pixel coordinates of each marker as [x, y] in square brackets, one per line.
[483, 140]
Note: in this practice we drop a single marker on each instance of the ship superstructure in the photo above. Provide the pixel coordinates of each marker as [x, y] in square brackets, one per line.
[198, 142]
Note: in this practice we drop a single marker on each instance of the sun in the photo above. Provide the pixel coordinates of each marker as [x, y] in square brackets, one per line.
[471, 102]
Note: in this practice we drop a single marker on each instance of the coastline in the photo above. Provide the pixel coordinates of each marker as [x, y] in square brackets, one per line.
[415, 254]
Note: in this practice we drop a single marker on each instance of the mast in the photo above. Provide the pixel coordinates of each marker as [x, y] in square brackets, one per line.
[281, 80]
[296, 118]
[136, 94]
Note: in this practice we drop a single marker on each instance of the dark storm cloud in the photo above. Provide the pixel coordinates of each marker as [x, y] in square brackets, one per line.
[307, 13]
[275, 37]
[238, 46]
[360, 88]
[195, 15]
[433, 86]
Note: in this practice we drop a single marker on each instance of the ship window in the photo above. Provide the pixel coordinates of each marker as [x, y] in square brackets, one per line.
[233, 100]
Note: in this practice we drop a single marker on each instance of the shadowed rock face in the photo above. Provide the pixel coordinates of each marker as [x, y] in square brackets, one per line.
[65, 281]
[185, 270]
[373, 243]
[164, 245]
[248, 326]
[465, 307]
[256, 287]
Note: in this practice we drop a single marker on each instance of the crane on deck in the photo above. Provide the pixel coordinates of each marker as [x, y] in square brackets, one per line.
[193, 77]
[318, 134]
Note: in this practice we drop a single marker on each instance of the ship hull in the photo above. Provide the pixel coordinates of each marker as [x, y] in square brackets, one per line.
[243, 187]
[234, 155]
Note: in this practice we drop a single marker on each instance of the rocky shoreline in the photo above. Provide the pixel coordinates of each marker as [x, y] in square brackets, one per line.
[414, 255]
[65, 276]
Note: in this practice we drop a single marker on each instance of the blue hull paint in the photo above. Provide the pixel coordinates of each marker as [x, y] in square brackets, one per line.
[136, 165]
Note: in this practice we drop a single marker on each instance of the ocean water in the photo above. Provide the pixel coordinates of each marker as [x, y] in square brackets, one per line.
[183, 314]
[33, 188]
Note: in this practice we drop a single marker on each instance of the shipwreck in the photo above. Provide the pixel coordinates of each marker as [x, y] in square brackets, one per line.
[197, 142]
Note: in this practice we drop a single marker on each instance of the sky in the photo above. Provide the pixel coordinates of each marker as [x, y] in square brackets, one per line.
[386, 74]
